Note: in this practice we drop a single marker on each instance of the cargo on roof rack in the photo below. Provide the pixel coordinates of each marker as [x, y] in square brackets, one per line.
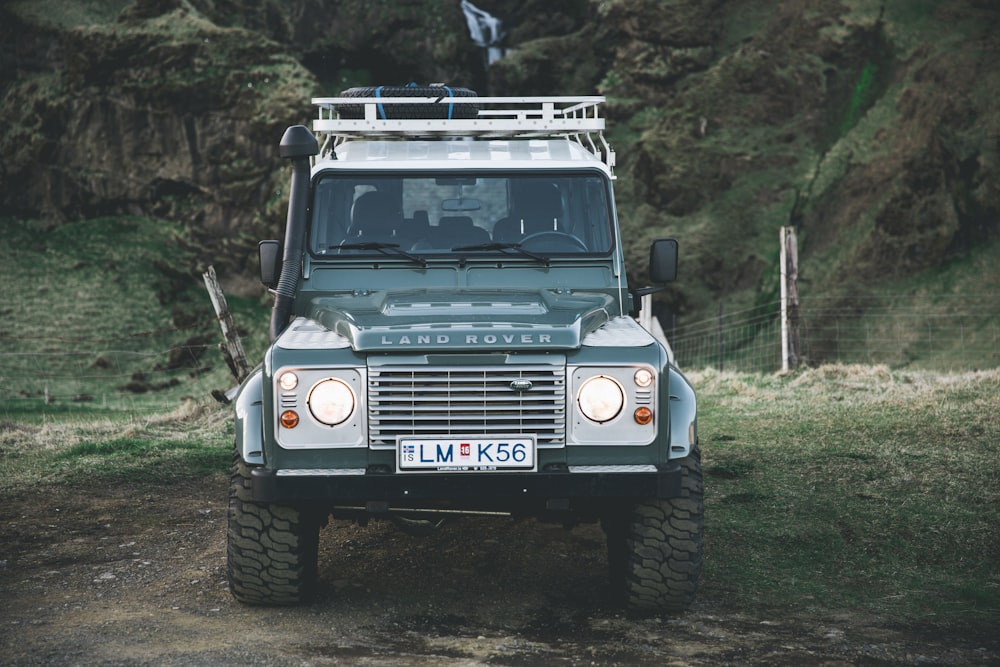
[573, 118]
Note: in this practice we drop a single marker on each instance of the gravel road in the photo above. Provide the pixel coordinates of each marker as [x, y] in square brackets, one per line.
[136, 576]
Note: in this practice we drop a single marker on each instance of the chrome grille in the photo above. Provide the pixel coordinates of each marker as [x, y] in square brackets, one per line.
[463, 401]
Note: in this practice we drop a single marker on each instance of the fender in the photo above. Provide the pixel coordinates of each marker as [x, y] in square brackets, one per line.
[250, 419]
[683, 415]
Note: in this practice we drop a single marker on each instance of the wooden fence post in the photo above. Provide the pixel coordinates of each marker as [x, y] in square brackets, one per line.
[789, 261]
[721, 339]
[232, 349]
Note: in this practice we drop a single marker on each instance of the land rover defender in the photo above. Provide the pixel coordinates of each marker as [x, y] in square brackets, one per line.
[452, 333]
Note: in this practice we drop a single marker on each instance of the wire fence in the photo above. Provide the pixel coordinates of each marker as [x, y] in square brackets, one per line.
[155, 369]
[943, 332]
[142, 369]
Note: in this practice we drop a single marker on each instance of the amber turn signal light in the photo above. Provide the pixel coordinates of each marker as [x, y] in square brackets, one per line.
[289, 419]
[643, 416]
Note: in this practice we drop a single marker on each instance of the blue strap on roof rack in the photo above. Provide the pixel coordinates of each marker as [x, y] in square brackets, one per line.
[413, 84]
[451, 105]
[381, 109]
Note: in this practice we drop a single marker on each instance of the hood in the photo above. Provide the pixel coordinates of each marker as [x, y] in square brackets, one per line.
[462, 320]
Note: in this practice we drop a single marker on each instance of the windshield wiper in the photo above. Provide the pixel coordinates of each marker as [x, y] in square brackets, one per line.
[504, 246]
[389, 249]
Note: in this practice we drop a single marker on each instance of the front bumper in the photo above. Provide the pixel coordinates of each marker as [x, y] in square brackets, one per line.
[469, 490]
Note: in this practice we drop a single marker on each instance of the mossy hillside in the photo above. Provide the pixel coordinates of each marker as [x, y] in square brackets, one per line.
[943, 319]
[344, 44]
[865, 124]
[822, 122]
[60, 14]
[165, 113]
[105, 315]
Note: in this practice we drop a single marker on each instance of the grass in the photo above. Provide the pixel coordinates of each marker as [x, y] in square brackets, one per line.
[849, 487]
[843, 489]
[944, 320]
[193, 441]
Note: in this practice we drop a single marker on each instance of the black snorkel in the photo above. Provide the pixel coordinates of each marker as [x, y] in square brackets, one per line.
[297, 144]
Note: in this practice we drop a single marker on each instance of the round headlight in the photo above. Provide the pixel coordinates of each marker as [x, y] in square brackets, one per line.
[601, 398]
[331, 402]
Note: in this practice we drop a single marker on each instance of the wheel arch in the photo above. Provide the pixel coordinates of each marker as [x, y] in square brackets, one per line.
[249, 416]
[683, 415]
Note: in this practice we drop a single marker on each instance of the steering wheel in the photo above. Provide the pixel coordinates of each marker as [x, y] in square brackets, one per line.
[553, 241]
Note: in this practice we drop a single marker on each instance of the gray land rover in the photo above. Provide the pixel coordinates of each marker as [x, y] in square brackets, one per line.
[453, 333]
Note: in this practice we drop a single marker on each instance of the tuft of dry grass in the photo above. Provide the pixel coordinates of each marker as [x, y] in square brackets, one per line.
[193, 439]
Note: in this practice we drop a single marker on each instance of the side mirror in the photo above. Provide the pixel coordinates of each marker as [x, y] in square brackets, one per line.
[270, 262]
[663, 260]
[662, 269]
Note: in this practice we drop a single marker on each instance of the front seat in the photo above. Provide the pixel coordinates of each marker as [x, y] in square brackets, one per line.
[459, 230]
[375, 218]
[538, 209]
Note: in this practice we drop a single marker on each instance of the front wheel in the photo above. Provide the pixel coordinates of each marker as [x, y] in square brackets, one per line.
[655, 546]
[271, 549]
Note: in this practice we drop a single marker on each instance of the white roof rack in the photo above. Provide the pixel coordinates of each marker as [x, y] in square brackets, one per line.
[573, 118]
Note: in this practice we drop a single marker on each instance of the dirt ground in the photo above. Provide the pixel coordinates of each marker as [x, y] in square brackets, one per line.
[127, 576]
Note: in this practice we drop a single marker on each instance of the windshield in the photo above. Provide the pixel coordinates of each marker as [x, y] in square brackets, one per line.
[523, 215]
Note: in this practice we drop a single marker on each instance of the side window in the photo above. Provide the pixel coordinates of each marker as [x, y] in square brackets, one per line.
[330, 215]
[594, 214]
[571, 213]
[350, 211]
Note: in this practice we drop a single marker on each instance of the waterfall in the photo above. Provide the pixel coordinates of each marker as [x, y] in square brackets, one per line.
[486, 30]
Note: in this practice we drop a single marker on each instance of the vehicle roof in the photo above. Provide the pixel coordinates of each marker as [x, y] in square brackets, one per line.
[464, 154]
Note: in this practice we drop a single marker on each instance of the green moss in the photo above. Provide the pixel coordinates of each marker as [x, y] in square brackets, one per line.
[861, 98]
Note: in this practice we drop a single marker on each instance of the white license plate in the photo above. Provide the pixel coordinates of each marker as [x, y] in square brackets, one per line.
[502, 453]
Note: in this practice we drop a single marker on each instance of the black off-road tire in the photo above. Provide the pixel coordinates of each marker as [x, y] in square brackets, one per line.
[271, 549]
[655, 546]
[438, 110]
